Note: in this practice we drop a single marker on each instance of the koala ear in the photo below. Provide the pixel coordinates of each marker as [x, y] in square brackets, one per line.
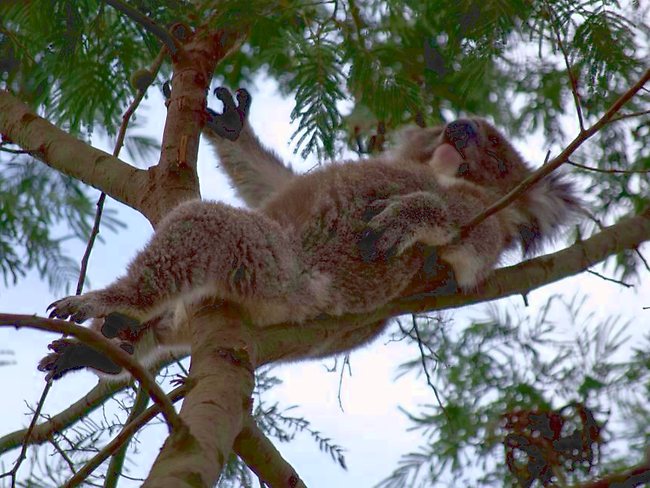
[415, 143]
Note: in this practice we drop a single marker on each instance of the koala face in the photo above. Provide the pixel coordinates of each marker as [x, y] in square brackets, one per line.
[483, 155]
[470, 149]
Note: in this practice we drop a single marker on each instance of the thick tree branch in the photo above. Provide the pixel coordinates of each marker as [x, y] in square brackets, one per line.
[65, 153]
[522, 278]
[628, 233]
[259, 454]
[174, 179]
[221, 382]
[106, 347]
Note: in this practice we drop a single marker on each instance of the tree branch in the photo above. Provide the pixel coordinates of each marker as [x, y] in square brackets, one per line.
[629, 478]
[64, 419]
[138, 17]
[251, 445]
[221, 382]
[106, 347]
[628, 233]
[259, 454]
[75, 412]
[122, 438]
[67, 154]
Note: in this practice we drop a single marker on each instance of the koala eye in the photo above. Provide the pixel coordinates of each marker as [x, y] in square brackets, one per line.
[463, 169]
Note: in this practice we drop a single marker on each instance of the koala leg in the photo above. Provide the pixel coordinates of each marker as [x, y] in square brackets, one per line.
[200, 249]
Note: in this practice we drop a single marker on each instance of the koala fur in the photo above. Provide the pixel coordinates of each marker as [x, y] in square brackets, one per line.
[346, 238]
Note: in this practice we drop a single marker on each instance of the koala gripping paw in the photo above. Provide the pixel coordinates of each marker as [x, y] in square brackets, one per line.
[69, 355]
[384, 236]
[78, 308]
[230, 123]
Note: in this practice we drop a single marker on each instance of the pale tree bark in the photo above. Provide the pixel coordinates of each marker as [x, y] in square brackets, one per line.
[220, 382]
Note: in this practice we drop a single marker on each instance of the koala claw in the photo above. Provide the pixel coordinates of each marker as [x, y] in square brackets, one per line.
[77, 307]
[230, 123]
[384, 235]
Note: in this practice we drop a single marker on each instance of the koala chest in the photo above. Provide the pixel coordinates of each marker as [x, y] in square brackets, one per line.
[328, 213]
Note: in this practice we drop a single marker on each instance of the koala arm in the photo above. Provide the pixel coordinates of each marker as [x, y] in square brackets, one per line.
[396, 224]
[255, 171]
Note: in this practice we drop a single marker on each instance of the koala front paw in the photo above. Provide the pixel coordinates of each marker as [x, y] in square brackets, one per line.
[119, 325]
[230, 123]
[384, 236]
[70, 355]
[77, 307]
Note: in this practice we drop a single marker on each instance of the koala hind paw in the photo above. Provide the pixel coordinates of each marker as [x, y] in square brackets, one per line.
[69, 355]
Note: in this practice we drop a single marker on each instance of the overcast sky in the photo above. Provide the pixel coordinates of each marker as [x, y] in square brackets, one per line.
[371, 428]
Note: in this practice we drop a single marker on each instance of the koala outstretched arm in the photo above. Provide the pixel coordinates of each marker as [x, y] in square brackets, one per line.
[255, 171]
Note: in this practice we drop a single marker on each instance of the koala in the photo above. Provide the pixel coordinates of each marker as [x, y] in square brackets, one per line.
[346, 238]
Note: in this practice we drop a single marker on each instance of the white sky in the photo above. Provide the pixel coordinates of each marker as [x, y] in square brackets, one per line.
[371, 428]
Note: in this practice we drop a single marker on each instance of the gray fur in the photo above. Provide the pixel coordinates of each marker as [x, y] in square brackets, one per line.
[347, 238]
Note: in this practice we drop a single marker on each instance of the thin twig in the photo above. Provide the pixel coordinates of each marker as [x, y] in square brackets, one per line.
[609, 171]
[618, 282]
[108, 348]
[565, 55]
[119, 142]
[122, 438]
[23, 450]
[629, 115]
[65, 457]
[137, 16]
[346, 362]
[642, 258]
[557, 161]
[423, 360]
[12, 151]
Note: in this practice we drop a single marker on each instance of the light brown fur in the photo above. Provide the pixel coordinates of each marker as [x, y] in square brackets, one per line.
[347, 238]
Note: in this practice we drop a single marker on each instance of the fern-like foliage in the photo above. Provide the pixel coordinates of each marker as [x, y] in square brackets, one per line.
[39, 210]
[512, 363]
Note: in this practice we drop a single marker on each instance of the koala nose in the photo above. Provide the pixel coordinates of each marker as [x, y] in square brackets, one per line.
[460, 132]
